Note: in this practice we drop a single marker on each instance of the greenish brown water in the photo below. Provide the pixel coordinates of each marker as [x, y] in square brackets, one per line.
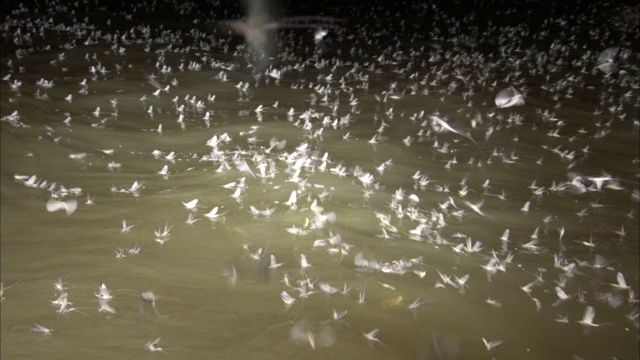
[207, 317]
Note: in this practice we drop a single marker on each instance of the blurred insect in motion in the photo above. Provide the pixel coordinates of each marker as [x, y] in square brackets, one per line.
[257, 24]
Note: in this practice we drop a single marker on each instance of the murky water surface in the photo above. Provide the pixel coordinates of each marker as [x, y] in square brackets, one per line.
[350, 223]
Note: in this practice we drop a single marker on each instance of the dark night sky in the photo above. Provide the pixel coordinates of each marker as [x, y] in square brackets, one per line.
[413, 20]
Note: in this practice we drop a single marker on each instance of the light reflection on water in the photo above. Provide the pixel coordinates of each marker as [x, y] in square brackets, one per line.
[209, 318]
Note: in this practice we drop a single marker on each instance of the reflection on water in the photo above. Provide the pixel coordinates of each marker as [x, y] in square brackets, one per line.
[156, 198]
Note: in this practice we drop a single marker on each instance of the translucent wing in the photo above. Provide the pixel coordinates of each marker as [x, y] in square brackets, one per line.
[561, 294]
[621, 281]
[191, 204]
[509, 97]
[589, 315]
[606, 60]
[68, 206]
